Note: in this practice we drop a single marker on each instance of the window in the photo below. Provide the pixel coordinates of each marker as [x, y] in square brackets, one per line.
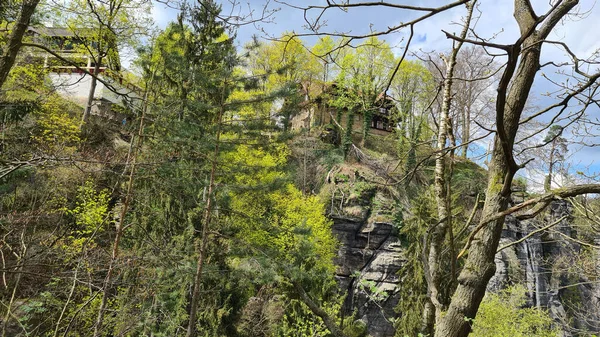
[68, 45]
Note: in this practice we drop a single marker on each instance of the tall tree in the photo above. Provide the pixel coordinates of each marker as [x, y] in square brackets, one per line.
[434, 270]
[210, 55]
[476, 74]
[286, 65]
[323, 51]
[412, 89]
[523, 63]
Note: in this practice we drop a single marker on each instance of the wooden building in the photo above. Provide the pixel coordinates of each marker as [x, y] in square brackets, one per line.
[318, 111]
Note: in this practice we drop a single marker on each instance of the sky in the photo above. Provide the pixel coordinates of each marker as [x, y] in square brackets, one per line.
[494, 20]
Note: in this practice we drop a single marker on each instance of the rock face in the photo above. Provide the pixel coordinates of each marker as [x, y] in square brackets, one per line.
[549, 264]
[559, 270]
[370, 256]
[368, 262]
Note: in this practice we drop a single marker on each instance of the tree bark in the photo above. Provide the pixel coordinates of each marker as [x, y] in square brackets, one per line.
[548, 180]
[513, 91]
[90, 101]
[427, 319]
[438, 233]
[12, 48]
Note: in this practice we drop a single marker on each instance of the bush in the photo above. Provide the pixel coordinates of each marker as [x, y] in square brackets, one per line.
[503, 315]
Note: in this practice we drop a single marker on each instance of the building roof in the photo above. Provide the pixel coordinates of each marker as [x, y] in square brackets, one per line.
[60, 31]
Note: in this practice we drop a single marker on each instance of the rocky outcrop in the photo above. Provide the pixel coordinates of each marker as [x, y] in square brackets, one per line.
[370, 254]
[549, 263]
[368, 262]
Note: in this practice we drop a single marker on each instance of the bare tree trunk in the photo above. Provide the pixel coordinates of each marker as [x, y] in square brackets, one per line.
[513, 90]
[438, 233]
[12, 48]
[451, 242]
[480, 266]
[548, 180]
[466, 130]
[90, 100]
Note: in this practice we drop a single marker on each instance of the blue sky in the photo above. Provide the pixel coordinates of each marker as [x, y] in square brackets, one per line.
[494, 21]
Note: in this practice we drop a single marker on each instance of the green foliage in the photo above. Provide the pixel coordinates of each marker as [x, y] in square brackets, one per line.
[520, 183]
[553, 133]
[362, 78]
[503, 315]
[413, 293]
[413, 88]
[324, 50]
[90, 209]
[106, 26]
[357, 328]
[188, 64]
[58, 128]
[90, 214]
[284, 66]
[287, 234]
[299, 322]
[30, 106]
[284, 62]
[294, 222]
[468, 178]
